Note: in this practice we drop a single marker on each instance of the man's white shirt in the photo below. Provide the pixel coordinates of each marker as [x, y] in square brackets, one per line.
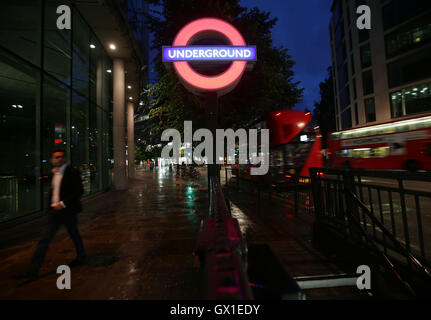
[56, 183]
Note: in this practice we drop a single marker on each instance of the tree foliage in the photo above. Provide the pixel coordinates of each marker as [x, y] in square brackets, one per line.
[324, 111]
[269, 86]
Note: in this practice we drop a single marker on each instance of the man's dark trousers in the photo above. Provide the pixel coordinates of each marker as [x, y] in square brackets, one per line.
[56, 220]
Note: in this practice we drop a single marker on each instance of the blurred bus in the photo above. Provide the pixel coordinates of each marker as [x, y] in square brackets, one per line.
[295, 146]
[396, 145]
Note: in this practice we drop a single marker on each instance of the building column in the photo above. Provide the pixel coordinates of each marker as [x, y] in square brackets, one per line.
[120, 179]
[380, 72]
[131, 139]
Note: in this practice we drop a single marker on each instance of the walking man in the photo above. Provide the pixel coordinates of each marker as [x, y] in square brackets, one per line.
[64, 203]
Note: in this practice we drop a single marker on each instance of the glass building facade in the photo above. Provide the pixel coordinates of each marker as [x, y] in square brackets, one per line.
[55, 92]
[384, 73]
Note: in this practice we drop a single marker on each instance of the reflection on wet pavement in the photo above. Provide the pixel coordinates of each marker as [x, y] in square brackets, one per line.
[289, 236]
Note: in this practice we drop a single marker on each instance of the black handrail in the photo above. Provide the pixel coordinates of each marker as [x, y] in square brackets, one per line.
[388, 234]
[382, 254]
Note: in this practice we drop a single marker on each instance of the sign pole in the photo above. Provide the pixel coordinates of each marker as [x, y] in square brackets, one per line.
[211, 109]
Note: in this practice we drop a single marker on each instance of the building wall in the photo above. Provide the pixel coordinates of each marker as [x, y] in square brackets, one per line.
[55, 91]
[383, 73]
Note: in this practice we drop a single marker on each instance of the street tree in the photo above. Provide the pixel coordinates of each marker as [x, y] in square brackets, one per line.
[324, 110]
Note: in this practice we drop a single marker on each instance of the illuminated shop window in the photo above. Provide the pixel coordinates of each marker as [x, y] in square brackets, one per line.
[411, 100]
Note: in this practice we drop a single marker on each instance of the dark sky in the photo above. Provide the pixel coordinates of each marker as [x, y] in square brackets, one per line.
[303, 28]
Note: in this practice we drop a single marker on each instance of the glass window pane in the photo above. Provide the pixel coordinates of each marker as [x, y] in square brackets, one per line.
[346, 119]
[339, 33]
[107, 96]
[365, 56]
[19, 132]
[408, 37]
[79, 138]
[411, 100]
[370, 110]
[81, 55]
[57, 56]
[398, 11]
[342, 76]
[363, 35]
[56, 103]
[94, 145]
[107, 150]
[411, 68]
[341, 54]
[356, 114]
[352, 63]
[96, 70]
[20, 28]
[368, 82]
[345, 97]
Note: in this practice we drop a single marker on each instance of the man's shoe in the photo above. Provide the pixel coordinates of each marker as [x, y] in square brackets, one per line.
[78, 261]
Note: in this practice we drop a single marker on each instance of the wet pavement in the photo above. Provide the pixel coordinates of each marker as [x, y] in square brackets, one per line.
[289, 235]
[273, 221]
[139, 244]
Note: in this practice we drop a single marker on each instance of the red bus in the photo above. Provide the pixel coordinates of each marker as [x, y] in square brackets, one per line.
[295, 145]
[397, 145]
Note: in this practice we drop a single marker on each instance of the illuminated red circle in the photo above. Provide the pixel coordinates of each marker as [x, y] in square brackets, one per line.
[197, 80]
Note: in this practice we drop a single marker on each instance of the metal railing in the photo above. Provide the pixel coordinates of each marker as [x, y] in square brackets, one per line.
[222, 251]
[8, 197]
[378, 209]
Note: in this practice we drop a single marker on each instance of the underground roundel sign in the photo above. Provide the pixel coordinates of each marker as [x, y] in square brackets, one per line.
[182, 53]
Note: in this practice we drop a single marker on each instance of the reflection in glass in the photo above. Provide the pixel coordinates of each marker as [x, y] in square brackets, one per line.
[81, 57]
[19, 154]
[79, 138]
[20, 28]
[57, 56]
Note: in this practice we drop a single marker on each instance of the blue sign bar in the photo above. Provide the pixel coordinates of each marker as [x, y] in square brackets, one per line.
[209, 53]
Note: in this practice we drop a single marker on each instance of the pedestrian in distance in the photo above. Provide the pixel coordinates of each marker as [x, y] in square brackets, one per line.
[64, 206]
